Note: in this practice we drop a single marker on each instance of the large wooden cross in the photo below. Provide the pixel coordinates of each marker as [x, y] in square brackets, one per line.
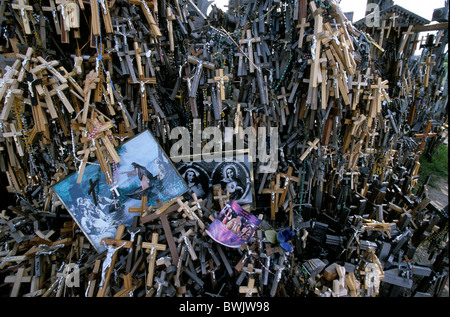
[153, 247]
[24, 9]
[161, 213]
[302, 26]
[108, 265]
[405, 38]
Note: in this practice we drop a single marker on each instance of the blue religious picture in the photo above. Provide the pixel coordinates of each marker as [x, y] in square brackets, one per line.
[99, 208]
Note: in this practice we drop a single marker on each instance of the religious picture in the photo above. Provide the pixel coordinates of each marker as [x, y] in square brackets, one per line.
[99, 208]
[234, 176]
[196, 178]
[233, 226]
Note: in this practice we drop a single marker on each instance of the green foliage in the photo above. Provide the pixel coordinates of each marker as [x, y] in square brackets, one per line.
[437, 167]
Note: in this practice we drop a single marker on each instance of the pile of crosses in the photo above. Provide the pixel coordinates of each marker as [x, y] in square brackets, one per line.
[355, 109]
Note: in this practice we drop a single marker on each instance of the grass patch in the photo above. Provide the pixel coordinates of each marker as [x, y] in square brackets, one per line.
[436, 168]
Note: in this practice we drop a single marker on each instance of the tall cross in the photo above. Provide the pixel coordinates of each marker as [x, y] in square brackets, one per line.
[184, 237]
[405, 38]
[17, 280]
[154, 247]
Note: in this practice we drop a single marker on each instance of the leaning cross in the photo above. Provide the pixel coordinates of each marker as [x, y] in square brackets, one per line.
[154, 247]
[287, 179]
[249, 41]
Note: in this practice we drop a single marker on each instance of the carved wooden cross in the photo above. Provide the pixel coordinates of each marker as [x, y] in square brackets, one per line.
[249, 42]
[24, 9]
[223, 199]
[249, 289]
[287, 179]
[52, 8]
[17, 280]
[95, 16]
[113, 246]
[220, 79]
[154, 247]
[199, 69]
[312, 145]
[423, 136]
[141, 209]
[184, 237]
[189, 212]
[429, 63]
[162, 212]
[405, 38]
[302, 26]
[274, 190]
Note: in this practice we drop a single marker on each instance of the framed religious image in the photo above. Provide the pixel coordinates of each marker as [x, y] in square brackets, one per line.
[234, 174]
[99, 208]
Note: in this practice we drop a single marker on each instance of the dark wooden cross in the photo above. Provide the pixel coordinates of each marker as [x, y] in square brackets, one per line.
[274, 190]
[287, 179]
[423, 136]
[161, 213]
[91, 190]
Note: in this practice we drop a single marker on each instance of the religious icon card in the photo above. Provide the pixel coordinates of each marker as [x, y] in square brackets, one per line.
[99, 208]
[234, 174]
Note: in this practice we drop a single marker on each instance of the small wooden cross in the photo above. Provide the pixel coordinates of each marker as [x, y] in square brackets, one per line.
[220, 79]
[17, 280]
[249, 41]
[15, 134]
[154, 247]
[141, 209]
[405, 38]
[423, 136]
[312, 145]
[429, 63]
[287, 179]
[189, 212]
[52, 8]
[223, 199]
[108, 264]
[24, 9]
[274, 190]
[302, 26]
[250, 289]
[184, 237]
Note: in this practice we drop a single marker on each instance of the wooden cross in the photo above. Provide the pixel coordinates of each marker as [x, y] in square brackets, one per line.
[95, 16]
[423, 136]
[274, 190]
[162, 212]
[378, 95]
[184, 237]
[15, 134]
[52, 8]
[90, 82]
[429, 63]
[92, 279]
[154, 29]
[405, 38]
[199, 69]
[189, 212]
[287, 179]
[302, 26]
[220, 79]
[17, 280]
[312, 145]
[141, 209]
[113, 246]
[31, 84]
[249, 289]
[283, 96]
[154, 247]
[249, 41]
[24, 9]
[223, 199]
